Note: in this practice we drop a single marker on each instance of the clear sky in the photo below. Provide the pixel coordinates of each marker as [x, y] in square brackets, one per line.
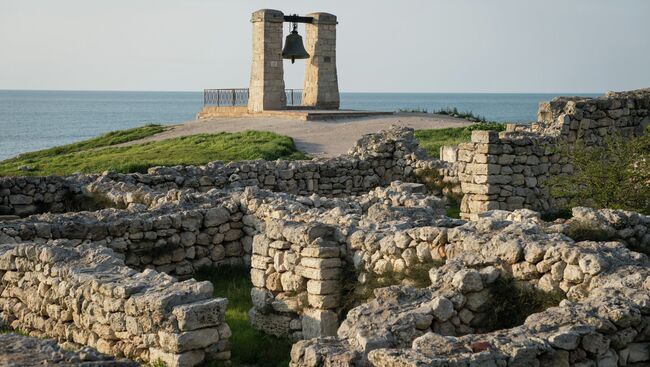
[383, 45]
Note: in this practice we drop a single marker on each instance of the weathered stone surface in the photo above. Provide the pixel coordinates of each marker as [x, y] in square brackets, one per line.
[18, 350]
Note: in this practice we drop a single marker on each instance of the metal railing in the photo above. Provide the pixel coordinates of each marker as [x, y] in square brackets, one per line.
[238, 97]
[294, 97]
[225, 97]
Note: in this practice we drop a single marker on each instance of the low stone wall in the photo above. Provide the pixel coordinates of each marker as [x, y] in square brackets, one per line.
[631, 228]
[508, 170]
[84, 295]
[177, 242]
[376, 160]
[24, 196]
[603, 321]
[209, 112]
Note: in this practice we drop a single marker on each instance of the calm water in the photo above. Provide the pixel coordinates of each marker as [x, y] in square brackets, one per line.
[32, 120]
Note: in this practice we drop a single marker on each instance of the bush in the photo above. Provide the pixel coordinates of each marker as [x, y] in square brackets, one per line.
[615, 175]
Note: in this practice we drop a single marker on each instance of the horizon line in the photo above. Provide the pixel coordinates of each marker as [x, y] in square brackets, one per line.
[365, 92]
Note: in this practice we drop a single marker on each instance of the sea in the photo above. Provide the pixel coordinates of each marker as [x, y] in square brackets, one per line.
[33, 120]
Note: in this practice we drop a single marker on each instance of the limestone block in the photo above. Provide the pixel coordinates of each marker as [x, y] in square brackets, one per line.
[573, 274]
[319, 274]
[477, 301]
[318, 323]
[481, 136]
[595, 344]
[260, 262]
[319, 263]
[467, 280]
[442, 308]
[187, 359]
[524, 271]
[216, 217]
[567, 340]
[326, 301]
[320, 252]
[182, 342]
[200, 314]
[322, 287]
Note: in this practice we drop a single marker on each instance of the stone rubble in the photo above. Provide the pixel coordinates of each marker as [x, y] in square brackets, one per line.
[604, 319]
[24, 351]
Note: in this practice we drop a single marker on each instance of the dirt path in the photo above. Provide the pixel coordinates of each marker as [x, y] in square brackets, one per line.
[316, 138]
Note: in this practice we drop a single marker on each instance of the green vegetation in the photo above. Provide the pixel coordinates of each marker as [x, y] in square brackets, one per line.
[157, 363]
[248, 346]
[467, 115]
[97, 155]
[105, 140]
[436, 185]
[355, 293]
[432, 139]
[581, 231]
[511, 302]
[613, 175]
[449, 111]
[8, 330]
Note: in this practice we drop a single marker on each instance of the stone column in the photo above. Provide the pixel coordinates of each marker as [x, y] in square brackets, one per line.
[321, 89]
[266, 91]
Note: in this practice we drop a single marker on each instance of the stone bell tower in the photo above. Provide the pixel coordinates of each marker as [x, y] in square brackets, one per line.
[267, 89]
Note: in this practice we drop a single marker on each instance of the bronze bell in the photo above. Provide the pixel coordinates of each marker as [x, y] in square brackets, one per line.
[293, 47]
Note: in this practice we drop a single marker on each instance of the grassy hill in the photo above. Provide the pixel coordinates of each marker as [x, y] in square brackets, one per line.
[100, 153]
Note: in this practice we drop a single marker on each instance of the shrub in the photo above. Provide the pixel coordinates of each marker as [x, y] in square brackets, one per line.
[614, 175]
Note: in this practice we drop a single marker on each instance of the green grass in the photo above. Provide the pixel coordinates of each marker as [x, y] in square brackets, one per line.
[248, 346]
[108, 139]
[8, 330]
[96, 155]
[432, 139]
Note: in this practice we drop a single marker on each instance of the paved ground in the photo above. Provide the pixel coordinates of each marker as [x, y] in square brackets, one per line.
[316, 138]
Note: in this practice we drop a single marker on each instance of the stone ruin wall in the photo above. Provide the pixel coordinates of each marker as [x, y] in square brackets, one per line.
[508, 170]
[85, 295]
[604, 320]
[376, 160]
